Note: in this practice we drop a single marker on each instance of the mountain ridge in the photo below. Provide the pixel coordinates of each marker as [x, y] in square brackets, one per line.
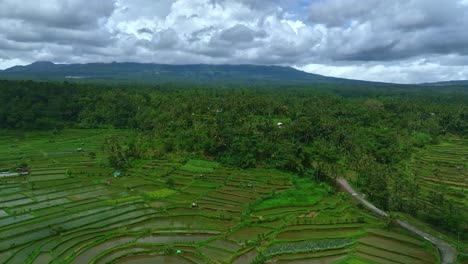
[197, 73]
[165, 72]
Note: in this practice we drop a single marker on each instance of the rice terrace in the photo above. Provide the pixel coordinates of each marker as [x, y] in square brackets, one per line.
[234, 132]
[69, 209]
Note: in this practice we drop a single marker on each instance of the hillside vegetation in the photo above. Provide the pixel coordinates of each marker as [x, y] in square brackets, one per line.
[258, 160]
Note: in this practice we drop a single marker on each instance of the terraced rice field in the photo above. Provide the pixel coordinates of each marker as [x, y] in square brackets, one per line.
[70, 209]
[442, 175]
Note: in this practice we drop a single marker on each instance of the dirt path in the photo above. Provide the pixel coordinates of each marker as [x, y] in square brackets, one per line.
[448, 254]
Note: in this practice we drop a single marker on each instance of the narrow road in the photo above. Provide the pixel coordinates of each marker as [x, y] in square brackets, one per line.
[448, 254]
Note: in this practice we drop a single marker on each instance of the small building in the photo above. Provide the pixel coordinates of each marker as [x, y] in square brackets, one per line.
[249, 185]
[117, 174]
[280, 125]
[194, 205]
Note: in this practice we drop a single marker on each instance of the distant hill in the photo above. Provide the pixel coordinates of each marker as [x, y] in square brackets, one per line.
[148, 73]
[159, 73]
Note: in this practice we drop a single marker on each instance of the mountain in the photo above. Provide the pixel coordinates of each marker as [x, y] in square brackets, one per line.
[158, 73]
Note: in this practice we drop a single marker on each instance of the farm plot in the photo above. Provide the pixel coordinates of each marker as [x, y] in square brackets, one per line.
[71, 209]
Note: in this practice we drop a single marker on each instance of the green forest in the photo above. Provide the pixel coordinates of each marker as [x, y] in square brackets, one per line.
[319, 132]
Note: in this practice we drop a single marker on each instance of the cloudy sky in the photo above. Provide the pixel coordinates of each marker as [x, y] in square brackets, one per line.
[405, 41]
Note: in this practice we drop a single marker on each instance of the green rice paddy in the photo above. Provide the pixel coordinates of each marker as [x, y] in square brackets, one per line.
[441, 172]
[71, 209]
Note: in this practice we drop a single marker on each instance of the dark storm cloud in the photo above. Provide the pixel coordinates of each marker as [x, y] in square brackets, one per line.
[145, 30]
[393, 30]
[402, 14]
[9, 45]
[241, 33]
[24, 33]
[53, 29]
[165, 39]
[58, 13]
[47, 28]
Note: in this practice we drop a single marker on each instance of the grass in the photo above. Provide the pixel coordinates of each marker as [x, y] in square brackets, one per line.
[305, 193]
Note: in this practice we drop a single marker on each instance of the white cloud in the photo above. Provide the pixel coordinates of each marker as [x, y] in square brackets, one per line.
[363, 39]
[407, 72]
[7, 63]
